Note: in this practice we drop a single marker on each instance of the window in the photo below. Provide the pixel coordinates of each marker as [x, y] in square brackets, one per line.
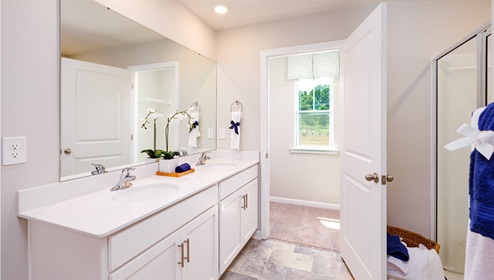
[313, 113]
[314, 76]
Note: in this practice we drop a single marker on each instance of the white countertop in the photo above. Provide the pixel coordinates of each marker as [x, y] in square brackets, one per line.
[101, 213]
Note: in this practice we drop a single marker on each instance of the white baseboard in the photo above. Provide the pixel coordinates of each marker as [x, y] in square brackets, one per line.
[305, 203]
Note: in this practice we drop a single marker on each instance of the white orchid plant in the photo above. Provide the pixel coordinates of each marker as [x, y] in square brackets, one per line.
[177, 116]
[152, 116]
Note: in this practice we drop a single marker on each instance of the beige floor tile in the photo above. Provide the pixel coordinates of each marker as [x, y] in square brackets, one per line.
[292, 260]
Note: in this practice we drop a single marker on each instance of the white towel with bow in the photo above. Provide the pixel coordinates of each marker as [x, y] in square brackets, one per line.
[483, 141]
[194, 133]
[235, 130]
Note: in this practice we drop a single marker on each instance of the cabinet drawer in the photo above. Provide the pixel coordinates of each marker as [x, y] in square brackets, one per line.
[130, 242]
[234, 183]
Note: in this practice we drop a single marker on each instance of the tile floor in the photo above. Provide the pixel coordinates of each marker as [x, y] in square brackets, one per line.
[273, 260]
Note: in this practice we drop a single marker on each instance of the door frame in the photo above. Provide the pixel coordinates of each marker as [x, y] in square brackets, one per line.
[135, 97]
[264, 153]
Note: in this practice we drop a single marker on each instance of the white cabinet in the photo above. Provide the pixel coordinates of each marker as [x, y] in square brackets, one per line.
[148, 249]
[238, 221]
[200, 241]
[195, 238]
[189, 253]
[159, 262]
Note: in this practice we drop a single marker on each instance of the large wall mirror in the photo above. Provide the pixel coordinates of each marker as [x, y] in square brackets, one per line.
[113, 72]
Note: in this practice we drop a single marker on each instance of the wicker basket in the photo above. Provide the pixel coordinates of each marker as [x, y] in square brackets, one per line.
[413, 239]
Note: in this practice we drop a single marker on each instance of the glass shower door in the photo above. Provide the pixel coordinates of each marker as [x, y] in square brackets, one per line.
[461, 88]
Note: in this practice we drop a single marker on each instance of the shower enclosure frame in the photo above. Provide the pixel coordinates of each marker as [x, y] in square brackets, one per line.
[483, 96]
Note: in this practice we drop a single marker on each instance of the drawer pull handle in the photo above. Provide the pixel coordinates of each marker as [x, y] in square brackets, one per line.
[246, 200]
[244, 206]
[181, 262]
[188, 250]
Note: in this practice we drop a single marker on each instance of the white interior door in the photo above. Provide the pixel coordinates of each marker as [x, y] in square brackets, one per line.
[363, 203]
[95, 116]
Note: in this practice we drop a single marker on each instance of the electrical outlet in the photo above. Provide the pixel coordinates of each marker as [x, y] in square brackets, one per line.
[210, 133]
[13, 150]
[222, 133]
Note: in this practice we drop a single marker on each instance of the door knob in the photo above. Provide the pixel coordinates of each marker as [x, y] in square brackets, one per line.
[386, 178]
[389, 178]
[67, 151]
[372, 177]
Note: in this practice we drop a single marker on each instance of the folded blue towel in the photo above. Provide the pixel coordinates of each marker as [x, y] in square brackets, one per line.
[182, 168]
[481, 183]
[396, 249]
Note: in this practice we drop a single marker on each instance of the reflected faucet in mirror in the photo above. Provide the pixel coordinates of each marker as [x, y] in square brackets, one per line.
[100, 169]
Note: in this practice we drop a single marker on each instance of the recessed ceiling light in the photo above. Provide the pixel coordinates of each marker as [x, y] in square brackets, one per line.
[221, 9]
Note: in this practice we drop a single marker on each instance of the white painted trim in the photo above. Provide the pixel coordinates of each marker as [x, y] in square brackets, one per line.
[0, 130]
[305, 203]
[264, 99]
[433, 161]
[308, 150]
[134, 123]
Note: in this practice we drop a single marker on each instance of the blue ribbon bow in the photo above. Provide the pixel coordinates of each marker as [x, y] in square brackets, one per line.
[235, 126]
[192, 126]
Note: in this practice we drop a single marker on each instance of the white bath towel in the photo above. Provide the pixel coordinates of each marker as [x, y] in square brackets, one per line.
[478, 260]
[194, 133]
[235, 130]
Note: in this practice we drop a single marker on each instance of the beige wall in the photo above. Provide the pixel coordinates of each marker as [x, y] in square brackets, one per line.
[29, 108]
[417, 32]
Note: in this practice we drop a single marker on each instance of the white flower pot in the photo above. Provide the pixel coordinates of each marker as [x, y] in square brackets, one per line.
[148, 160]
[168, 165]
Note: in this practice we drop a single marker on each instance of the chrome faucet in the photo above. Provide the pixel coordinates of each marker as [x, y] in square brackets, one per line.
[202, 159]
[100, 169]
[125, 180]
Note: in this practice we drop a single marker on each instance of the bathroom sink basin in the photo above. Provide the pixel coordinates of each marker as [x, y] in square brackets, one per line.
[218, 166]
[145, 193]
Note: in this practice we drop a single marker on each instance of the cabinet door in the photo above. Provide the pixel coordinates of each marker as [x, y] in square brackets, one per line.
[230, 216]
[158, 262]
[200, 240]
[250, 216]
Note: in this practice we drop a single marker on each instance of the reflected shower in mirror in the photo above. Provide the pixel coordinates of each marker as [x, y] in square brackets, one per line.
[113, 72]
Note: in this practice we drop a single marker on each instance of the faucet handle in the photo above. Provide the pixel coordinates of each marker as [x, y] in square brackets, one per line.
[100, 169]
[127, 170]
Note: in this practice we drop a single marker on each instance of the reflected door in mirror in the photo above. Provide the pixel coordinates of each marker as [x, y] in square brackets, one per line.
[95, 117]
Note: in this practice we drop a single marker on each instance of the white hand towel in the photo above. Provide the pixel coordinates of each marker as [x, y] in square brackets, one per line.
[235, 130]
[194, 132]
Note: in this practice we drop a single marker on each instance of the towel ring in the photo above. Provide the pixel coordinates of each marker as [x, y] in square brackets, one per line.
[194, 107]
[237, 104]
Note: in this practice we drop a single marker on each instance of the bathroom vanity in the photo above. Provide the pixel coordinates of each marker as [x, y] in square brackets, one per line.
[168, 228]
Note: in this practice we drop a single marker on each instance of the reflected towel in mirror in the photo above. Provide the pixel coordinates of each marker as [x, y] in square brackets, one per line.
[194, 132]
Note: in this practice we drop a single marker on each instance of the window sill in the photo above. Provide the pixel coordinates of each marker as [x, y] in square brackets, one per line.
[314, 150]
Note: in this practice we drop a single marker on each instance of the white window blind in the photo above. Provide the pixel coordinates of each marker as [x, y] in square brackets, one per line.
[314, 65]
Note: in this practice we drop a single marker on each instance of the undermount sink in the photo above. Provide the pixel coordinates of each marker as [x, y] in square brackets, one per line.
[145, 193]
[218, 166]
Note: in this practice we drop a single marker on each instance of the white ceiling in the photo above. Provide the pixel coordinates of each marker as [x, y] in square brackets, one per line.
[247, 12]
